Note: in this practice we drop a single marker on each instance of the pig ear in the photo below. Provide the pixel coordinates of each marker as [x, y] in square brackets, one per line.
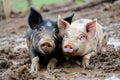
[34, 18]
[62, 25]
[91, 28]
[69, 18]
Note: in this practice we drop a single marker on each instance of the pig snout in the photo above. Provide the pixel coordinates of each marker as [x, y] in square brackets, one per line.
[68, 48]
[46, 46]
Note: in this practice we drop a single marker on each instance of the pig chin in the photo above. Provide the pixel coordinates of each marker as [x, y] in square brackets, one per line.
[46, 51]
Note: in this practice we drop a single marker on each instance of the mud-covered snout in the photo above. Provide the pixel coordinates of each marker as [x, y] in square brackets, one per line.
[46, 46]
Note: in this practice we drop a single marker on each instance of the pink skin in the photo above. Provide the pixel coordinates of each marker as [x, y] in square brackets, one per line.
[68, 49]
[80, 38]
[75, 49]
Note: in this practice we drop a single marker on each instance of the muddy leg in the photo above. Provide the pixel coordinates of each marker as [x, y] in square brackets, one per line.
[86, 58]
[35, 66]
[51, 65]
[78, 63]
[104, 43]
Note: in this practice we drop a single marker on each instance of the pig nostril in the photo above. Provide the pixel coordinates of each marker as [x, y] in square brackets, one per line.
[42, 45]
[49, 46]
[65, 47]
[46, 45]
[68, 46]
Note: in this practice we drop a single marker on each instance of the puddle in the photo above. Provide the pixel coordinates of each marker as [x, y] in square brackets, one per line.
[113, 41]
[113, 77]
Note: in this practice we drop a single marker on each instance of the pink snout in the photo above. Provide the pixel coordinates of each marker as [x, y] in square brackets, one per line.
[68, 48]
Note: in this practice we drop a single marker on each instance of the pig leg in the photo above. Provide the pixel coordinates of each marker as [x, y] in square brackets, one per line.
[86, 58]
[104, 43]
[35, 64]
[52, 63]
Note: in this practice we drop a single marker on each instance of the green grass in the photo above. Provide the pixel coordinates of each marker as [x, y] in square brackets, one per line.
[38, 3]
[81, 2]
[19, 5]
[22, 4]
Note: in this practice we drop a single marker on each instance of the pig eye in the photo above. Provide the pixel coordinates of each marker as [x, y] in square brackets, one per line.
[81, 37]
[39, 29]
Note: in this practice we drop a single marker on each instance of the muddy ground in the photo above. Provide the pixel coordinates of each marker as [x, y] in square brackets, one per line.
[15, 59]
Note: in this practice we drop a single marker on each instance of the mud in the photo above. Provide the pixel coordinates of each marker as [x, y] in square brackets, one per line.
[15, 58]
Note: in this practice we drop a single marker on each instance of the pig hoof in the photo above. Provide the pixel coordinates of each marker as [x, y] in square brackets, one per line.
[78, 63]
[34, 68]
[35, 65]
[103, 49]
[85, 63]
[51, 64]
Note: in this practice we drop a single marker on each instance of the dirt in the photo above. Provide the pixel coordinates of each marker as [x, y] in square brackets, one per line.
[15, 58]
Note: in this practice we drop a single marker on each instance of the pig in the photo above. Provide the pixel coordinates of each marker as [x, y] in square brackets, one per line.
[43, 41]
[82, 38]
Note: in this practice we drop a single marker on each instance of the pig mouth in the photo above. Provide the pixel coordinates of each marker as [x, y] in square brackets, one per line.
[46, 50]
[70, 53]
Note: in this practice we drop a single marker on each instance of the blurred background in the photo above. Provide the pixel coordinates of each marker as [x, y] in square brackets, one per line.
[23, 4]
[10, 7]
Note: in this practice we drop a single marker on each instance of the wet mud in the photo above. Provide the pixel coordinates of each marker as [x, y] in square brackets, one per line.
[15, 58]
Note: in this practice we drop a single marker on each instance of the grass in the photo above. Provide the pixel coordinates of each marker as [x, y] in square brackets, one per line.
[19, 5]
[38, 3]
[22, 4]
[81, 2]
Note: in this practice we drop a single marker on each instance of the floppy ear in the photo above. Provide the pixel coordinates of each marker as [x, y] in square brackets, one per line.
[91, 29]
[69, 18]
[34, 18]
[62, 25]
